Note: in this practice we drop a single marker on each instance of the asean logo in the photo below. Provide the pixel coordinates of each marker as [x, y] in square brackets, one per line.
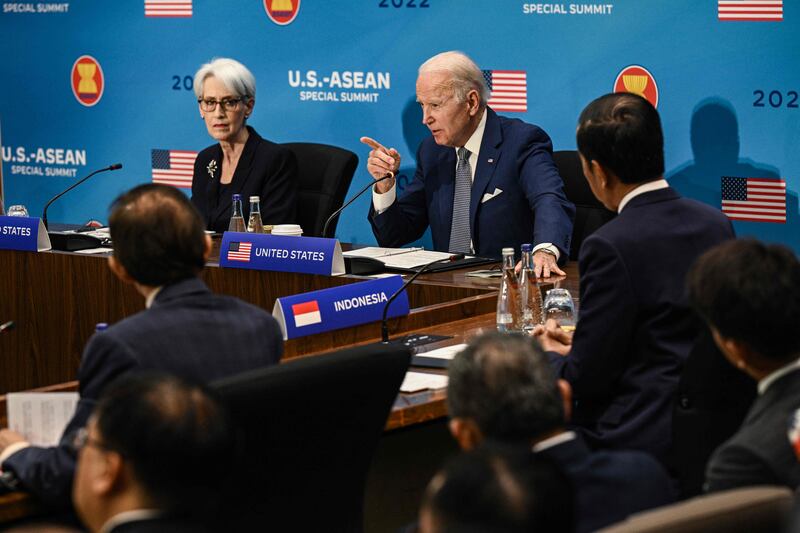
[637, 80]
[88, 81]
[282, 12]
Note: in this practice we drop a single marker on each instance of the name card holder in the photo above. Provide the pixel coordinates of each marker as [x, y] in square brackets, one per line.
[339, 307]
[23, 233]
[281, 253]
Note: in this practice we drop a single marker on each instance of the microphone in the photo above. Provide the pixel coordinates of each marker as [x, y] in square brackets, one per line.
[384, 321]
[7, 326]
[351, 200]
[115, 166]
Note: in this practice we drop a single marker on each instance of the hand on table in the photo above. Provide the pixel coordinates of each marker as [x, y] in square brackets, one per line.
[552, 338]
[380, 162]
[9, 437]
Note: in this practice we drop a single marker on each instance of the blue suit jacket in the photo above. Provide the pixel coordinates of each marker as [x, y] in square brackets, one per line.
[636, 328]
[610, 486]
[188, 331]
[516, 158]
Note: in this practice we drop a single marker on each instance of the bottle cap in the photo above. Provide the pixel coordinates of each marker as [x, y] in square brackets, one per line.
[255, 199]
[236, 197]
[508, 251]
[526, 247]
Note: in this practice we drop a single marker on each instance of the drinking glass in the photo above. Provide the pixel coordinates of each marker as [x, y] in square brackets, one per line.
[17, 211]
[559, 306]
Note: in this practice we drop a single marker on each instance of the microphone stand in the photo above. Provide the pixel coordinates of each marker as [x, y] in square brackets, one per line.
[384, 321]
[115, 166]
[351, 200]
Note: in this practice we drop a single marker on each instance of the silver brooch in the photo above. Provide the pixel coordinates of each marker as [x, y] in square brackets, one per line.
[212, 168]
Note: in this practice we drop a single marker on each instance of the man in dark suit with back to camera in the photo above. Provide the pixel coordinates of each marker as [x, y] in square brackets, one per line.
[153, 457]
[749, 293]
[160, 248]
[636, 328]
[502, 389]
[483, 182]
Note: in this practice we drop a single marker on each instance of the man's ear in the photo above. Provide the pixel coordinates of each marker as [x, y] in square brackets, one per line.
[565, 390]
[466, 433]
[601, 173]
[119, 270]
[737, 352]
[110, 475]
[207, 246]
[474, 102]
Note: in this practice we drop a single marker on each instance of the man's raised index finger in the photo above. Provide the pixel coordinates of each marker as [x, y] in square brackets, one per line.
[372, 143]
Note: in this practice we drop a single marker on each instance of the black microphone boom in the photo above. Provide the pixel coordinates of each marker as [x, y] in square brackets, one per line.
[384, 322]
[351, 200]
[60, 240]
[115, 166]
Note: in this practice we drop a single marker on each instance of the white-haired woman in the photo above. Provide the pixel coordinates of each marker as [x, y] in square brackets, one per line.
[241, 162]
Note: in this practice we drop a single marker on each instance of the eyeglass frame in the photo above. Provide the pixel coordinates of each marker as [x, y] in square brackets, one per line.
[81, 439]
[225, 103]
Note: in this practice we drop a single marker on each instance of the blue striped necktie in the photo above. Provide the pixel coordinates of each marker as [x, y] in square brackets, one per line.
[459, 231]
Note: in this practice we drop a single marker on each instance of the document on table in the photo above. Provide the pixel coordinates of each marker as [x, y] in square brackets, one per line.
[417, 381]
[41, 416]
[448, 352]
[404, 258]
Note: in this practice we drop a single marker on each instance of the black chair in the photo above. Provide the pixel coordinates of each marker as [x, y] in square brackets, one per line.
[589, 212]
[308, 430]
[324, 173]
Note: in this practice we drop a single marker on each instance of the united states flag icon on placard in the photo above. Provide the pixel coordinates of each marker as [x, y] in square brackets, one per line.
[754, 199]
[168, 8]
[239, 251]
[173, 167]
[750, 10]
[509, 89]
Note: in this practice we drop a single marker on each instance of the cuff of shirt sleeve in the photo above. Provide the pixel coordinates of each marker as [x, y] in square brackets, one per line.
[547, 246]
[382, 202]
[11, 449]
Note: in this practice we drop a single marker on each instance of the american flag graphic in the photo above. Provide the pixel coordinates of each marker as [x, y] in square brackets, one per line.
[509, 89]
[750, 10]
[168, 8]
[173, 167]
[239, 251]
[754, 199]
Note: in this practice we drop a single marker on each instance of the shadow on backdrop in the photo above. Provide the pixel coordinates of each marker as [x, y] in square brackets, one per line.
[414, 132]
[716, 148]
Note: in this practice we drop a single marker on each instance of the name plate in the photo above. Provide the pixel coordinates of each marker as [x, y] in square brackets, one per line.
[339, 307]
[23, 233]
[281, 253]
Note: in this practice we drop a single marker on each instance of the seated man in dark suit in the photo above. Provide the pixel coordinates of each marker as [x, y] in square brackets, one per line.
[153, 457]
[159, 247]
[483, 182]
[502, 389]
[498, 489]
[636, 328]
[749, 293]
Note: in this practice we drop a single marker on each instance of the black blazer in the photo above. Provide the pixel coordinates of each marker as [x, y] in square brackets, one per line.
[188, 331]
[610, 486]
[760, 453]
[636, 329]
[265, 169]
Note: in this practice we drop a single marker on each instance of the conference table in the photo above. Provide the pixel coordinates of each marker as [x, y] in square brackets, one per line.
[57, 298]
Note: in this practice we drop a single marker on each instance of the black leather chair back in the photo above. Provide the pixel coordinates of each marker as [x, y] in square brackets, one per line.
[325, 173]
[308, 430]
[589, 212]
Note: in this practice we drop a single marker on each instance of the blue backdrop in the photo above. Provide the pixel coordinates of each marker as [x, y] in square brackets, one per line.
[728, 90]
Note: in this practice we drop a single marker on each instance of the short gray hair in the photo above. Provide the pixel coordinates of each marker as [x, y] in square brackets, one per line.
[231, 73]
[505, 384]
[465, 75]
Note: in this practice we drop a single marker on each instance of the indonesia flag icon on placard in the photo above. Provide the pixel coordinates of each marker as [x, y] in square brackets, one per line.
[306, 314]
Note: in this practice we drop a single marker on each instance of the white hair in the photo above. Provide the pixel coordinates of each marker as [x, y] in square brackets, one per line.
[465, 75]
[233, 75]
